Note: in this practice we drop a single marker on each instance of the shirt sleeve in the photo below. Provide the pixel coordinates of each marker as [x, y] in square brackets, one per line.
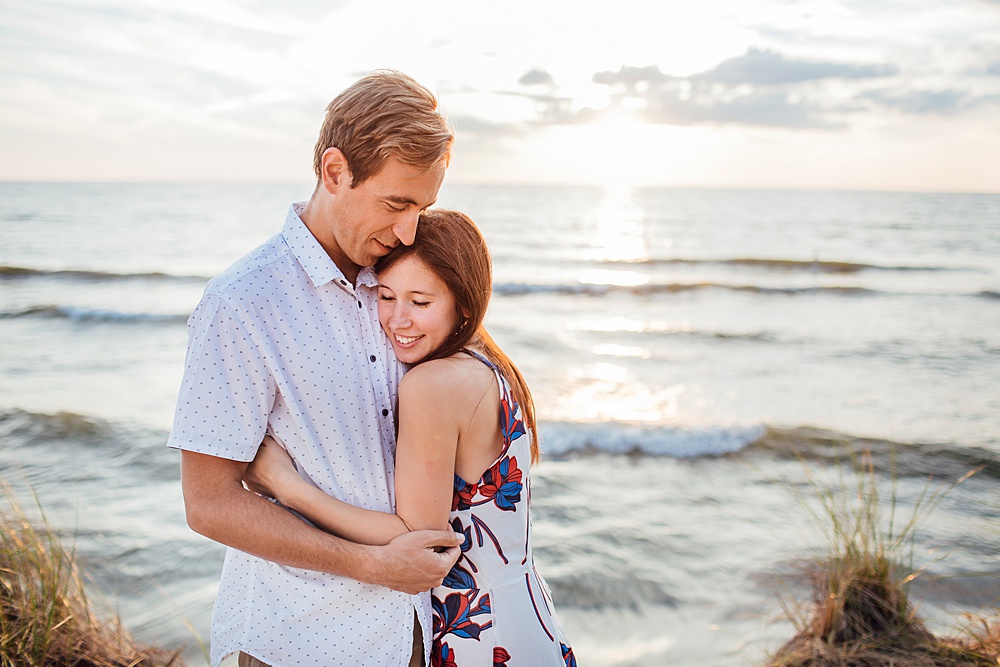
[227, 391]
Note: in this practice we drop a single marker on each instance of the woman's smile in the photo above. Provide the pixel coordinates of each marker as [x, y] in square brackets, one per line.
[415, 308]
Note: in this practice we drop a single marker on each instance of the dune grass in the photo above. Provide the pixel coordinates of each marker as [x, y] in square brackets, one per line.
[860, 614]
[46, 617]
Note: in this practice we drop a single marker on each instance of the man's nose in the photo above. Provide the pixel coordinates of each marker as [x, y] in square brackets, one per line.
[405, 229]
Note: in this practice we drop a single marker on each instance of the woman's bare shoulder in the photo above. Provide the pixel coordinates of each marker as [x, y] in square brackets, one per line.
[450, 378]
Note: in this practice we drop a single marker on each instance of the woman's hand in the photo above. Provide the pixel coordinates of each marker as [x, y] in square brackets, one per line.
[272, 472]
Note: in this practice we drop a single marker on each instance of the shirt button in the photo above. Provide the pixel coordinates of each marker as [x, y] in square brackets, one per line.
[385, 413]
[359, 304]
[372, 357]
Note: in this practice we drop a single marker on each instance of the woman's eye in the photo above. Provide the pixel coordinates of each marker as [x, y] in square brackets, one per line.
[421, 303]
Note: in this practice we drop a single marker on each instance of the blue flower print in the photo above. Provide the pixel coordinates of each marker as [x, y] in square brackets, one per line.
[511, 427]
[502, 484]
[454, 615]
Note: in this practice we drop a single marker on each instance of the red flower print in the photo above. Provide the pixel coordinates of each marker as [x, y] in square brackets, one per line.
[502, 483]
[443, 656]
[500, 656]
[464, 493]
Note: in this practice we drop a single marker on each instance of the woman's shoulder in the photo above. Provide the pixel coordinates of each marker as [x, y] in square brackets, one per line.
[457, 375]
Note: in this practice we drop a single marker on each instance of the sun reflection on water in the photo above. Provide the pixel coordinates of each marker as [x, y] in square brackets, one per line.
[618, 233]
[611, 277]
[604, 391]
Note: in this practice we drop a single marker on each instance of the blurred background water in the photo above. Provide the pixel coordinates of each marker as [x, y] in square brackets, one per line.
[697, 356]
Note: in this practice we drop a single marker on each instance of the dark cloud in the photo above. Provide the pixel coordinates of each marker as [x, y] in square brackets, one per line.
[663, 98]
[760, 108]
[536, 77]
[759, 88]
[762, 67]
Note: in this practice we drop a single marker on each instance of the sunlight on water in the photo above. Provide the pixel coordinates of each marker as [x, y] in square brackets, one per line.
[609, 392]
[612, 350]
[617, 278]
[624, 324]
[618, 233]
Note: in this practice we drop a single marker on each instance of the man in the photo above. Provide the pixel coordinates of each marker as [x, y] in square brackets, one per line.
[287, 341]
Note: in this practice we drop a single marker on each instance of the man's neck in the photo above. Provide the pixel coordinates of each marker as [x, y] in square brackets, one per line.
[318, 220]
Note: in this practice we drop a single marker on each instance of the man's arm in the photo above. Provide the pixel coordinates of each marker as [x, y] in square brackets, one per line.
[220, 508]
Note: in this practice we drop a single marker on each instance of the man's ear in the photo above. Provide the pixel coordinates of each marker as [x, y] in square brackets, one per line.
[333, 171]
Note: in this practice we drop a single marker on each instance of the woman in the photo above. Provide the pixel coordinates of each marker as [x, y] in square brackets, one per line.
[457, 463]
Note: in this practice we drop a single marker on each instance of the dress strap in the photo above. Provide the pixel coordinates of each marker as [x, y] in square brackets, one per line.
[473, 353]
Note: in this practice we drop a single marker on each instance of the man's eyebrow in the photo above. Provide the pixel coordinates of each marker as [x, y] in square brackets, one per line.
[397, 199]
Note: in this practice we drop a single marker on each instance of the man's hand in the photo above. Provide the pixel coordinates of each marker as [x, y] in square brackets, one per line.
[416, 562]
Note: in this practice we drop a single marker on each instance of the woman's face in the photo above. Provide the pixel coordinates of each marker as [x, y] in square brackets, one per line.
[415, 308]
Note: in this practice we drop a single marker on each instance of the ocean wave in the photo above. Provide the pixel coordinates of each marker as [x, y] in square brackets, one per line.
[684, 331]
[38, 427]
[785, 265]
[987, 294]
[78, 314]
[943, 460]
[55, 440]
[566, 438]
[602, 289]
[20, 272]
[939, 460]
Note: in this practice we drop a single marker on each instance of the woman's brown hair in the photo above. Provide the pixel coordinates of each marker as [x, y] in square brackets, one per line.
[449, 244]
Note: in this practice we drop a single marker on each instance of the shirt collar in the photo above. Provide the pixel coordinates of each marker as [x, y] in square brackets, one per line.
[310, 254]
[367, 277]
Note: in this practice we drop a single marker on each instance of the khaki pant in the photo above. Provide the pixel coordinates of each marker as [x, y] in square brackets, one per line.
[417, 657]
[250, 661]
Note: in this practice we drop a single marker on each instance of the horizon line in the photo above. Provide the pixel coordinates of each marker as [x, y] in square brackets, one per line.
[520, 184]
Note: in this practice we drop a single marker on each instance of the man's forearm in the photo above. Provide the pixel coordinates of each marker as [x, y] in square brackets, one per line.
[220, 508]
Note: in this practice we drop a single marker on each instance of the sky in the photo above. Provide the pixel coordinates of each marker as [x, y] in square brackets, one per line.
[820, 94]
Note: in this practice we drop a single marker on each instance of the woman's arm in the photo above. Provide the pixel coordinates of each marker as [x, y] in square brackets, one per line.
[272, 473]
[432, 397]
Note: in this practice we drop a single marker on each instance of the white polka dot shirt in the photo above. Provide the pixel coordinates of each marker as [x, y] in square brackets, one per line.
[281, 341]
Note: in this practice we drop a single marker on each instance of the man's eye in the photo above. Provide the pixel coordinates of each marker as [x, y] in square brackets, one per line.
[384, 297]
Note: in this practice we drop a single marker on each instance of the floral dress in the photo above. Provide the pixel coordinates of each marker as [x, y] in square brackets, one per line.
[493, 609]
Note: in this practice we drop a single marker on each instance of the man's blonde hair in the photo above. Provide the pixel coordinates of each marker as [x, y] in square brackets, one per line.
[385, 114]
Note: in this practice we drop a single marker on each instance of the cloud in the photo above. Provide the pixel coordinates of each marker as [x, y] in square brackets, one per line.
[767, 108]
[470, 124]
[662, 98]
[536, 77]
[632, 78]
[937, 102]
[763, 67]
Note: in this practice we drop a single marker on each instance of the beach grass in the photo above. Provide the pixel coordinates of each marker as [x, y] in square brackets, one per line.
[46, 616]
[860, 614]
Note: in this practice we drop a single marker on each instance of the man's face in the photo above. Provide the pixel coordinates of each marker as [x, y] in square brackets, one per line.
[370, 220]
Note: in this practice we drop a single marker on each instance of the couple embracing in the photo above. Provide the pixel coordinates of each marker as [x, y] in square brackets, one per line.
[344, 489]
